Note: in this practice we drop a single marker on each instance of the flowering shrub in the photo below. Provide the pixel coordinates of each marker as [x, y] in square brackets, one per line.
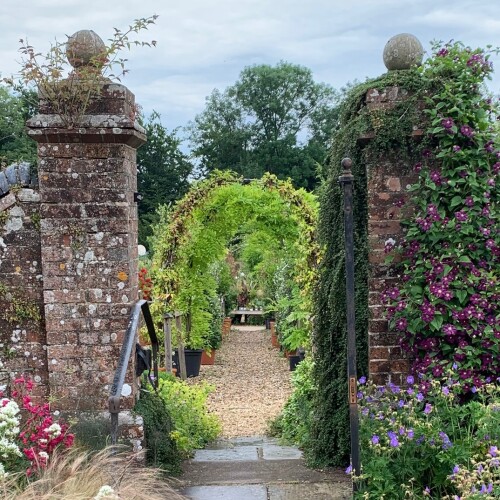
[28, 441]
[9, 430]
[416, 445]
[447, 306]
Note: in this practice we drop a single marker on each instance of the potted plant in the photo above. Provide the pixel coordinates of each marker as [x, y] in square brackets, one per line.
[214, 336]
[193, 350]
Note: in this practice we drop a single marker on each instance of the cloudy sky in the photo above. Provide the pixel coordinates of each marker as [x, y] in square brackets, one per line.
[204, 44]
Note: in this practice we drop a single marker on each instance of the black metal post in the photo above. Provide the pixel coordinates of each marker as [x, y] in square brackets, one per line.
[346, 181]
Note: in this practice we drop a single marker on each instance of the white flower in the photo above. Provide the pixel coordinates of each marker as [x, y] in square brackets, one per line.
[54, 430]
[106, 492]
[8, 449]
[44, 455]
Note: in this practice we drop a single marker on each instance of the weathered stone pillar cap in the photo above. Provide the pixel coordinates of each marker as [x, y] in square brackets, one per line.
[403, 51]
[84, 47]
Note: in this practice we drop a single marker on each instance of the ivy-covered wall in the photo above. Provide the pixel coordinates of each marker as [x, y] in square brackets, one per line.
[22, 332]
[379, 130]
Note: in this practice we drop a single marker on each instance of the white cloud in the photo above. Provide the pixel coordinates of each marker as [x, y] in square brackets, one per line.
[203, 45]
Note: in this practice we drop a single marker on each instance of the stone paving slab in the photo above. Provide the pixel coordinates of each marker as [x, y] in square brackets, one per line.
[240, 453]
[246, 492]
[255, 472]
[223, 444]
[309, 491]
[258, 468]
[275, 452]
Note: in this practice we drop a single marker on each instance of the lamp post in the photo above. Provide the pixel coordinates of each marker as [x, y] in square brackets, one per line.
[346, 181]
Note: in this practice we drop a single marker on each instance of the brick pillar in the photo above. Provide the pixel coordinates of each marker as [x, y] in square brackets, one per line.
[388, 178]
[87, 179]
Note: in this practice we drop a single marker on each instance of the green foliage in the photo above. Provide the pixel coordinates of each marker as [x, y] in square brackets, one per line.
[392, 130]
[15, 145]
[161, 447]
[193, 425]
[194, 235]
[416, 446]
[162, 173]
[293, 425]
[91, 432]
[254, 125]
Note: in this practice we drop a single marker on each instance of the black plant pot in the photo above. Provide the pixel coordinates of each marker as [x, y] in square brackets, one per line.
[294, 360]
[193, 362]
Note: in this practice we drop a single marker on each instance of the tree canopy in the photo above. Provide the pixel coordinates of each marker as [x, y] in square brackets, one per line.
[274, 119]
[15, 109]
[163, 171]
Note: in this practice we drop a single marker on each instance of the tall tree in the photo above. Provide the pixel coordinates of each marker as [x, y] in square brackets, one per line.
[163, 172]
[274, 118]
[15, 109]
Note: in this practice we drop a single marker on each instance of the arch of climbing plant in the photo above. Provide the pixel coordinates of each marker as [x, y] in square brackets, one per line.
[193, 236]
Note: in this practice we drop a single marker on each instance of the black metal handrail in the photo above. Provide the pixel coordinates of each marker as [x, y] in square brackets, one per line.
[126, 351]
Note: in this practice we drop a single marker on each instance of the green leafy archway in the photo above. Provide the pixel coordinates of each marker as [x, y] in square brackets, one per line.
[194, 235]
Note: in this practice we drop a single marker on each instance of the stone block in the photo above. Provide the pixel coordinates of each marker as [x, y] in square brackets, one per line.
[4, 184]
[7, 201]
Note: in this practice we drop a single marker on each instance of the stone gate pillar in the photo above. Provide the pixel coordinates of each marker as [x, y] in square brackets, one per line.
[88, 178]
[388, 179]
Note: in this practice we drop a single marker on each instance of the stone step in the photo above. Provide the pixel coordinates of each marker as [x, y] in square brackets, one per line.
[258, 468]
[286, 491]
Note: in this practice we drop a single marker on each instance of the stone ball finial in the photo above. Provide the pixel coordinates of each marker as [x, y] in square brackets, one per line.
[402, 52]
[82, 47]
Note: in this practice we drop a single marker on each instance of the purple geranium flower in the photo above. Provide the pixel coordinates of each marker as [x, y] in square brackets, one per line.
[428, 408]
[375, 439]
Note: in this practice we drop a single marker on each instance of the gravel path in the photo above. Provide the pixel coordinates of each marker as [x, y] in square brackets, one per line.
[252, 382]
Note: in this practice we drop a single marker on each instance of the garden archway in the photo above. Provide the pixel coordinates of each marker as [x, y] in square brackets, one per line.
[195, 235]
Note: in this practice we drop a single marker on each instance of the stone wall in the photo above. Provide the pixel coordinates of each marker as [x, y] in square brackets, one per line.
[22, 329]
[388, 178]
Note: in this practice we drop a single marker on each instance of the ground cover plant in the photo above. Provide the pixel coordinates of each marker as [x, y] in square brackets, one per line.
[421, 442]
[293, 424]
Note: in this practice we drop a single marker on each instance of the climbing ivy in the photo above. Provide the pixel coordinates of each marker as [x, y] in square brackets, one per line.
[385, 131]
